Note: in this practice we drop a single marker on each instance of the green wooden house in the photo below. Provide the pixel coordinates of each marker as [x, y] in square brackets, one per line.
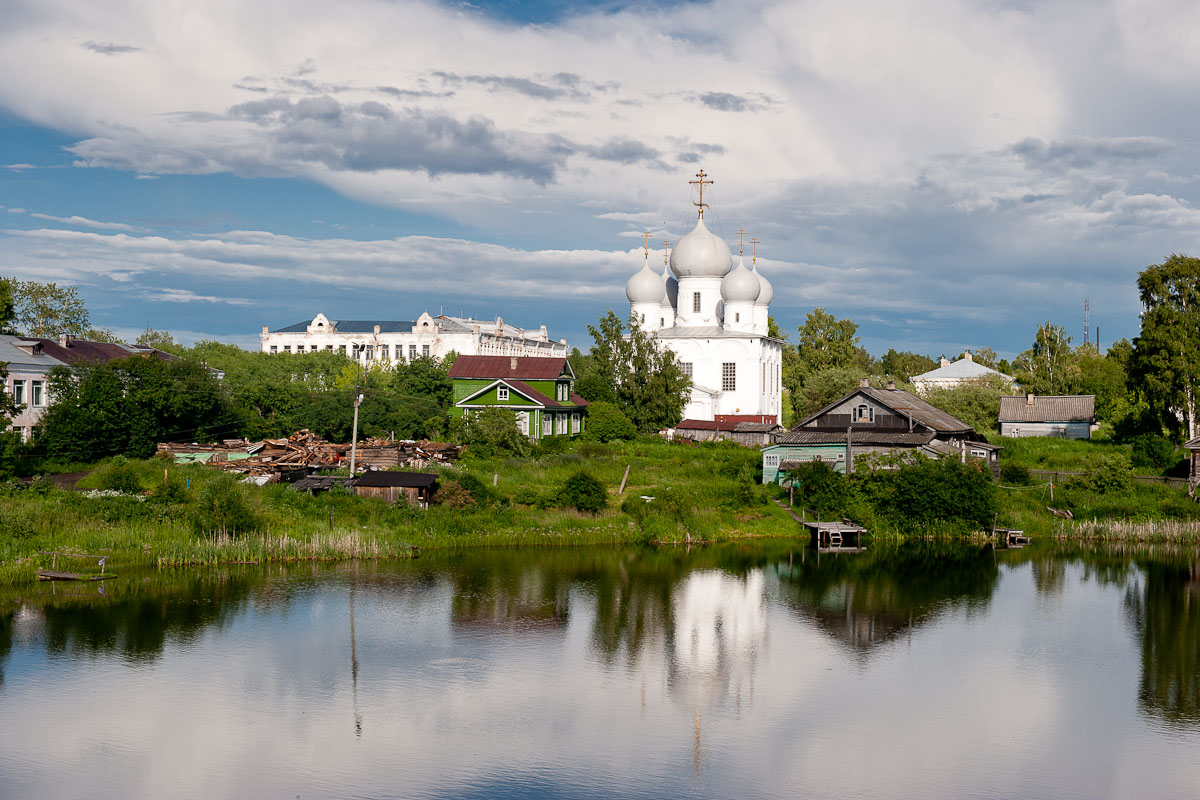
[540, 390]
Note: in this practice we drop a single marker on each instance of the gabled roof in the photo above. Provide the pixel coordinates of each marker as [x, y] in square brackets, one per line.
[906, 405]
[525, 368]
[12, 354]
[354, 326]
[1049, 408]
[82, 351]
[962, 370]
[524, 389]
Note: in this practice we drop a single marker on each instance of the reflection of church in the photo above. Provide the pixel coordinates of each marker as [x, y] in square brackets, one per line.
[713, 316]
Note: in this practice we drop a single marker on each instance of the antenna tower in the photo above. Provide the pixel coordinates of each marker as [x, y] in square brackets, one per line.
[1087, 318]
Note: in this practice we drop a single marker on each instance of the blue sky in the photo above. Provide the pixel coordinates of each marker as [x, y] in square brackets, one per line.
[946, 173]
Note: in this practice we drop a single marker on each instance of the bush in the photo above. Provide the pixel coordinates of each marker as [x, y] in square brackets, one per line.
[451, 494]
[491, 432]
[1107, 474]
[479, 491]
[223, 506]
[819, 487]
[1152, 451]
[585, 493]
[607, 423]
[931, 491]
[118, 475]
[1015, 474]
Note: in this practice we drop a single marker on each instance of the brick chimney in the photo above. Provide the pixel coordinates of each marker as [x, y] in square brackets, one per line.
[891, 385]
[64, 340]
[512, 364]
[864, 383]
[1029, 398]
[945, 362]
[967, 356]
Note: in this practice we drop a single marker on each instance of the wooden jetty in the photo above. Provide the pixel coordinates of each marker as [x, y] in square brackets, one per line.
[831, 536]
[54, 574]
[1009, 537]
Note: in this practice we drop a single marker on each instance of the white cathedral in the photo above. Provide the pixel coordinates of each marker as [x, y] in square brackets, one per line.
[713, 316]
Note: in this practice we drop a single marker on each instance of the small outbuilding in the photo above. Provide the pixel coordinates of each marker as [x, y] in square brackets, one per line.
[416, 488]
[1064, 416]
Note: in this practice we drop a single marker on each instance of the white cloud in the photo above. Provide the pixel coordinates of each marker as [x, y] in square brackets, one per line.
[85, 222]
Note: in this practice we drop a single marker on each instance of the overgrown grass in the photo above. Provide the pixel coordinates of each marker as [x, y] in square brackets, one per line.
[1066, 455]
[174, 519]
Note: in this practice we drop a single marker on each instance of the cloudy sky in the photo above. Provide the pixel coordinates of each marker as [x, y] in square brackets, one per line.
[946, 173]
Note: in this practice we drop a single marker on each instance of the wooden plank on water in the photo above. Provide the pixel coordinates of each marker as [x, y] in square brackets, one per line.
[54, 575]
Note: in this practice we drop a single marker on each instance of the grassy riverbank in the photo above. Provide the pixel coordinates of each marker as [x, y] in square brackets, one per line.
[195, 515]
[164, 515]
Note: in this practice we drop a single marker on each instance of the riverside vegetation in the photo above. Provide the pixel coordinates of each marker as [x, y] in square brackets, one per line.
[148, 512]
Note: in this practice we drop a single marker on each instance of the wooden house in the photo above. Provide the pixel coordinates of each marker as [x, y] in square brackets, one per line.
[870, 420]
[750, 434]
[1063, 416]
[416, 488]
[540, 391]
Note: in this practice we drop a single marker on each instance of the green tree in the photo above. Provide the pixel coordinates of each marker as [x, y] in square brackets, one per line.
[1049, 366]
[987, 357]
[826, 342]
[8, 305]
[823, 388]
[491, 432]
[631, 371]
[904, 365]
[126, 407]
[1165, 364]
[606, 423]
[976, 403]
[10, 441]
[48, 310]
[160, 340]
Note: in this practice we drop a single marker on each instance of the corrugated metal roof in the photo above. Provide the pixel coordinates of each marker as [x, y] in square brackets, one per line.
[963, 369]
[801, 436]
[1049, 408]
[354, 326]
[82, 351]
[16, 358]
[527, 368]
[757, 427]
[918, 409]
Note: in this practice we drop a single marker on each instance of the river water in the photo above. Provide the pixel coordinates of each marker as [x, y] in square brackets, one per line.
[750, 670]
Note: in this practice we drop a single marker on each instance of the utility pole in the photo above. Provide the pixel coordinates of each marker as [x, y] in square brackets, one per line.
[354, 430]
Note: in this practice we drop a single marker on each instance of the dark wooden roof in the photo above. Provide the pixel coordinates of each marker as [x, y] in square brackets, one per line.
[903, 403]
[528, 368]
[860, 436]
[405, 479]
[705, 425]
[82, 351]
[1049, 408]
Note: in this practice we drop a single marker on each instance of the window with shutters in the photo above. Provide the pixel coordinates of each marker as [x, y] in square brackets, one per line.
[728, 376]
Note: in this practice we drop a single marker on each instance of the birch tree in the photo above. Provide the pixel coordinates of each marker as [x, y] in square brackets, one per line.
[1165, 367]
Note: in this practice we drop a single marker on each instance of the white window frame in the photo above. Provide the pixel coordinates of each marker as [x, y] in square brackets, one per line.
[771, 461]
[424, 351]
[686, 368]
[37, 394]
[547, 424]
[18, 392]
[560, 426]
[502, 393]
[575, 422]
[729, 376]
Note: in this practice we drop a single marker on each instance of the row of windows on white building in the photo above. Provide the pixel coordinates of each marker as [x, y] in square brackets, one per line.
[365, 352]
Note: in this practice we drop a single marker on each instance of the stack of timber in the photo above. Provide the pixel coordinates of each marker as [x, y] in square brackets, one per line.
[304, 452]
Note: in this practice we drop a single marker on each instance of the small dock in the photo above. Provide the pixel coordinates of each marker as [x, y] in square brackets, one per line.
[831, 536]
[1008, 537]
[53, 575]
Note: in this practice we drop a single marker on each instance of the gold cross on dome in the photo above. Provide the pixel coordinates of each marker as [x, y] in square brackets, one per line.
[646, 246]
[700, 182]
[754, 244]
[666, 244]
[741, 233]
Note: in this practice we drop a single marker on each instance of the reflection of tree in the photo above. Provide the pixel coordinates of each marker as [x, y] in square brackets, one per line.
[506, 589]
[6, 635]
[867, 599]
[138, 623]
[1166, 616]
[1049, 574]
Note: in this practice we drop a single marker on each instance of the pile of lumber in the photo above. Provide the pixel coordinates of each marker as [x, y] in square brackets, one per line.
[306, 451]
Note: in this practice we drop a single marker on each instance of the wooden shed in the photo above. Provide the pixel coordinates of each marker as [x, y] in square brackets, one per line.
[416, 488]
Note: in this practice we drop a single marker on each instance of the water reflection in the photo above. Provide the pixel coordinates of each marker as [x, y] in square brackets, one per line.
[713, 671]
[867, 599]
